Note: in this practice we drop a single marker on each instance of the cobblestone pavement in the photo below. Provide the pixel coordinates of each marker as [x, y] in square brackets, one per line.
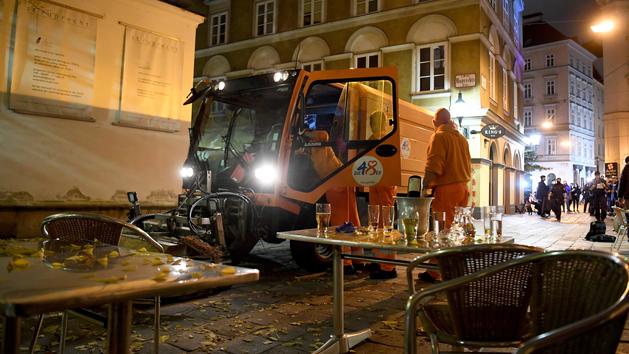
[289, 310]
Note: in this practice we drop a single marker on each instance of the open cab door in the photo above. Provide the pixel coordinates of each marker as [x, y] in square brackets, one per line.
[344, 132]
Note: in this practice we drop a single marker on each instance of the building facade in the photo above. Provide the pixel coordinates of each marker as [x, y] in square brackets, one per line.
[616, 74]
[562, 103]
[441, 48]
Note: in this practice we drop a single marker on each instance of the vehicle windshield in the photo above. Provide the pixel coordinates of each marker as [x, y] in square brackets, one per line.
[242, 127]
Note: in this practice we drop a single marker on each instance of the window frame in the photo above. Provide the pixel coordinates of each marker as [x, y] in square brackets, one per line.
[311, 63]
[547, 108]
[446, 67]
[257, 15]
[528, 88]
[367, 12]
[528, 116]
[302, 13]
[527, 64]
[551, 146]
[505, 91]
[367, 55]
[550, 60]
[492, 75]
[506, 13]
[210, 22]
[549, 87]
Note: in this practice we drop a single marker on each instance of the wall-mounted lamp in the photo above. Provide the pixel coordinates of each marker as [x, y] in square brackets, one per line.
[458, 111]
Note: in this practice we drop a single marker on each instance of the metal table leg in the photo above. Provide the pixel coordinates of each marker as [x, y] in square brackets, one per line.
[340, 342]
[119, 327]
[11, 335]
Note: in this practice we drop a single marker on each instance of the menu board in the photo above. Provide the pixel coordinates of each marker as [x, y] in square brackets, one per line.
[151, 81]
[53, 63]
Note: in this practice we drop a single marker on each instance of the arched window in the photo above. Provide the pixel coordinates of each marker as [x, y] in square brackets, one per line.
[431, 34]
[263, 58]
[310, 52]
[217, 65]
[365, 43]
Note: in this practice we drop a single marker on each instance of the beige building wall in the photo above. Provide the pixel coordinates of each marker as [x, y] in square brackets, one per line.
[469, 30]
[616, 74]
[67, 164]
[567, 147]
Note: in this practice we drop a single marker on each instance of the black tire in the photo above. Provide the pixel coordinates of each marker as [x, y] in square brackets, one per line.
[311, 257]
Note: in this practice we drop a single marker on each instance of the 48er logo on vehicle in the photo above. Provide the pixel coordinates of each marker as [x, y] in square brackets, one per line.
[367, 171]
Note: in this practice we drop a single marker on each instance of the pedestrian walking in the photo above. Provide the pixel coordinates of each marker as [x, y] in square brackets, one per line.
[599, 198]
[448, 170]
[587, 198]
[568, 195]
[576, 197]
[556, 197]
[542, 196]
[623, 184]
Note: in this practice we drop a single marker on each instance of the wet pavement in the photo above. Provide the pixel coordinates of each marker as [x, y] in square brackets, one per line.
[290, 311]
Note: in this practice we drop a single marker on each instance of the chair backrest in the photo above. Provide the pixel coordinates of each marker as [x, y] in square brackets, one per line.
[78, 227]
[493, 308]
[570, 286]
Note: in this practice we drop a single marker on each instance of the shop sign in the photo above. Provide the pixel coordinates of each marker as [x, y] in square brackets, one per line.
[465, 80]
[611, 170]
[493, 131]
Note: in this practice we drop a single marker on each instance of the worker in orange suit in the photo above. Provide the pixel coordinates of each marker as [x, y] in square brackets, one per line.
[342, 199]
[448, 171]
[383, 196]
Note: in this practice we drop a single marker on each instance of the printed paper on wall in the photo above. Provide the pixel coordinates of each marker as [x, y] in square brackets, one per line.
[53, 62]
[151, 81]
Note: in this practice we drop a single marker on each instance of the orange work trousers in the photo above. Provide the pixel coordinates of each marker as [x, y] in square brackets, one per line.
[383, 196]
[448, 197]
[343, 204]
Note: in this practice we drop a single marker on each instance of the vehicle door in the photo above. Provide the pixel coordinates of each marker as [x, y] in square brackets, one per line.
[344, 132]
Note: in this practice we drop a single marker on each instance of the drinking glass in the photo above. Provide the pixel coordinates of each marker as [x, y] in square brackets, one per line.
[324, 211]
[387, 218]
[410, 218]
[438, 222]
[486, 213]
[496, 225]
[373, 212]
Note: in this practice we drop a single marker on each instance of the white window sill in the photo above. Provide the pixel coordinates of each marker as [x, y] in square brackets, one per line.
[430, 94]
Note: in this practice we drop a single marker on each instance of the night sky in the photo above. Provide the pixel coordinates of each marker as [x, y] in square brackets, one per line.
[571, 17]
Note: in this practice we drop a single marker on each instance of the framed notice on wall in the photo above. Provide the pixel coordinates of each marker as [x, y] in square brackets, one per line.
[53, 60]
[150, 96]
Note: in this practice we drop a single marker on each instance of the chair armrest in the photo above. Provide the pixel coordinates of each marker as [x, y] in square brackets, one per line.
[411, 266]
[145, 236]
[568, 331]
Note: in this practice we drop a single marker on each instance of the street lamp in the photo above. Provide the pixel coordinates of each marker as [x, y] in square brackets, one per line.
[547, 125]
[458, 111]
[603, 26]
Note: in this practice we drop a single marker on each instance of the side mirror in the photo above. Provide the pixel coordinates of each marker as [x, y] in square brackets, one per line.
[132, 197]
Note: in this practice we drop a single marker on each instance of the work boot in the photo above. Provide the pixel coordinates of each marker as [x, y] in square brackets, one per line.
[383, 274]
[349, 270]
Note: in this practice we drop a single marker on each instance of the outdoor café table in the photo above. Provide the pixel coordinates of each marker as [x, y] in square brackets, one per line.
[341, 342]
[41, 282]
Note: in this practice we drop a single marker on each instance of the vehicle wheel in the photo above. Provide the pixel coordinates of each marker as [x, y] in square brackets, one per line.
[312, 257]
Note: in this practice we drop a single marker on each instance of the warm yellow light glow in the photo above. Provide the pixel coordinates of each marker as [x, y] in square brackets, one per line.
[603, 26]
[565, 143]
[547, 125]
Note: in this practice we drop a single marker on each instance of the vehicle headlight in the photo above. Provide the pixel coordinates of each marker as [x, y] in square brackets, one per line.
[266, 173]
[186, 172]
[280, 76]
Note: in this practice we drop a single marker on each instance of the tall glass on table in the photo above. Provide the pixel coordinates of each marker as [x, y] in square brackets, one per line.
[323, 214]
[486, 215]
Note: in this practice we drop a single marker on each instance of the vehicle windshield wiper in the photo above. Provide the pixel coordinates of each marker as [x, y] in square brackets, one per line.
[228, 138]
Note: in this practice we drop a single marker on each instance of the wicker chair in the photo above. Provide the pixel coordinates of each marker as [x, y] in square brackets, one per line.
[81, 227]
[498, 314]
[577, 301]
